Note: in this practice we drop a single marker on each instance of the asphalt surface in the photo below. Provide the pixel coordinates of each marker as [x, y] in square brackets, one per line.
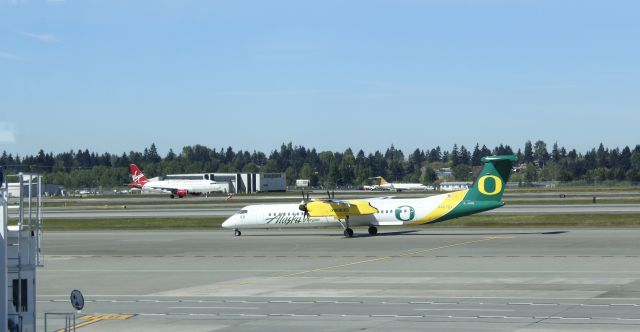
[342, 194]
[213, 211]
[317, 280]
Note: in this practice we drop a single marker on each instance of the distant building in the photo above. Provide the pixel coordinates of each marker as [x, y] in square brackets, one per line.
[269, 182]
[444, 173]
[302, 183]
[47, 189]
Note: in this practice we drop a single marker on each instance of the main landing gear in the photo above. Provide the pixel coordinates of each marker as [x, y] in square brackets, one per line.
[348, 232]
[237, 232]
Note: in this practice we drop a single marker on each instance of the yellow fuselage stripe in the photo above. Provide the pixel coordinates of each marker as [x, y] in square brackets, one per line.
[447, 205]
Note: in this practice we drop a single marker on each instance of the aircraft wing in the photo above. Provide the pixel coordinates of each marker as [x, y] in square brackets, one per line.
[333, 201]
[339, 209]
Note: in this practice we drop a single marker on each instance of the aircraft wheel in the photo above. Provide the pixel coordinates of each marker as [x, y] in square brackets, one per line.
[348, 232]
[172, 196]
[237, 232]
[373, 230]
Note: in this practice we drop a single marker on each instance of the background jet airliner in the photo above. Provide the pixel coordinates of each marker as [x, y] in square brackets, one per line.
[175, 188]
[485, 194]
[382, 184]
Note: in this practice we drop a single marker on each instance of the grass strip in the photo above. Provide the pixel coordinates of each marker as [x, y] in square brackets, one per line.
[132, 224]
[168, 202]
[545, 221]
[474, 221]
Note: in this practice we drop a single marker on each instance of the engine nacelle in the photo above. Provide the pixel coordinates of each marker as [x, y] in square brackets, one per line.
[181, 192]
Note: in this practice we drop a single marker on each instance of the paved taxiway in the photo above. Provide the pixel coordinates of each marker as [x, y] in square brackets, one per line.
[212, 211]
[317, 280]
[342, 194]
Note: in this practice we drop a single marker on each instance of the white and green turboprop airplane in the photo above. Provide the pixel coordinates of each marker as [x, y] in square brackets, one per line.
[485, 194]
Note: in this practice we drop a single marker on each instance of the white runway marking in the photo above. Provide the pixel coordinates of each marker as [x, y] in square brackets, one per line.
[230, 308]
[466, 309]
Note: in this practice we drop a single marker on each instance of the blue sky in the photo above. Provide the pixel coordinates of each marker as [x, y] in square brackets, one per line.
[114, 76]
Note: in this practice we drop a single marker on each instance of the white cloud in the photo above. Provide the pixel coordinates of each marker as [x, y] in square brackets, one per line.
[43, 37]
[9, 56]
[7, 132]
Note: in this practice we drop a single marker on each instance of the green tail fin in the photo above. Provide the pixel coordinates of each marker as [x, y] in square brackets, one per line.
[490, 183]
[486, 192]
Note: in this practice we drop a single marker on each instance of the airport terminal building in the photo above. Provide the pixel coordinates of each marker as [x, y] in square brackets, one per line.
[239, 183]
[45, 189]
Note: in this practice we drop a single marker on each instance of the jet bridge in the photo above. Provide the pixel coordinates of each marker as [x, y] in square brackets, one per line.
[20, 253]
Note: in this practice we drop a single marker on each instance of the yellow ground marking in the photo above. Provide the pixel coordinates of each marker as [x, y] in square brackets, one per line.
[90, 319]
[375, 259]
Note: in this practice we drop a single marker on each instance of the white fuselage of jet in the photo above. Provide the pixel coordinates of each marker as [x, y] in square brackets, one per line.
[403, 186]
[191, 186]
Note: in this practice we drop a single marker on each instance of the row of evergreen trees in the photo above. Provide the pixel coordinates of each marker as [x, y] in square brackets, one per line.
[85, 169]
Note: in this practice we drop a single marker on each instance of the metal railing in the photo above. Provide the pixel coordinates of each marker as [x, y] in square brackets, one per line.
[27, 247]
[69, 321]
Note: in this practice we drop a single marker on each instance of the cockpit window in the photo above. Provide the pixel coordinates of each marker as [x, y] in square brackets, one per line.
[241, 212]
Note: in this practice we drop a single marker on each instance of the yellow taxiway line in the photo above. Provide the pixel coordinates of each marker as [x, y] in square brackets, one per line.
[90, 319]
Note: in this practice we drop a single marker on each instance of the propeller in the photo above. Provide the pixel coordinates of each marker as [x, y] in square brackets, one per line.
[303, 205]
[305, 201]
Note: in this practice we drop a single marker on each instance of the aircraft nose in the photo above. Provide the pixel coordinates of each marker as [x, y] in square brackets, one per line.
[228, 223]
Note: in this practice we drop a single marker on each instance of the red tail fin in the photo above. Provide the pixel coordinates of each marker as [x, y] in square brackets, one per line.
[138, 178]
